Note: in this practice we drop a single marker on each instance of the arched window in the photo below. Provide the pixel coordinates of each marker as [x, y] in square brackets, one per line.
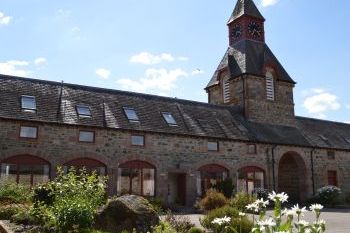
[25, 169]
[136, 177]
[226, 89]
[270, 86]
[89, 164]
[250, 179]
[209, 176]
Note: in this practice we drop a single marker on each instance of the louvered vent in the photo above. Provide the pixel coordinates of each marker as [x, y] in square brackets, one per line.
[226, 90]
[270, 87]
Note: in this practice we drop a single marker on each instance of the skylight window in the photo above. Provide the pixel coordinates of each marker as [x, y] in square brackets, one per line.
[131, 114]
[83, 111]
[28, 102]
[168, 117]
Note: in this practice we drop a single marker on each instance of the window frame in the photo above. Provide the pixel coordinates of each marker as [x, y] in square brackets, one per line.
[28, 109]
[331, 155]
[270, 92]
[83, 115]
[87, 131]
[29, 126]
[138, 135]
[255, 149]
[226, 94]
[171, 116]
[136, 120]
[217, 146]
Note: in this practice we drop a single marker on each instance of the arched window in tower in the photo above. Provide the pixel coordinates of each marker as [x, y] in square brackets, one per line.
[226, 89]
[270, 86]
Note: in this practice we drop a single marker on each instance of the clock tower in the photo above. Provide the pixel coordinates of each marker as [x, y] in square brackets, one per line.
[249, 75]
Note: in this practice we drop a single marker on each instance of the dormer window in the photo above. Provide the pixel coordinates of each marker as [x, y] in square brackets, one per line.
[226, 89]
[83, 111]
[28, 103]
[131, 114]
[168, 117]
[270, 86]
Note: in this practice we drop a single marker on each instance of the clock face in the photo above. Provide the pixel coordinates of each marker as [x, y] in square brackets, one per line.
[237, 31]
[255, 29]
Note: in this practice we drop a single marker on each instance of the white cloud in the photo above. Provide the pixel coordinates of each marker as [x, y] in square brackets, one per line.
[183, 58]
[4, 20]
[147, 58]
[319, 102]
[103, 73]
[197, 71]
[63, 13]
[15, 68]
[266, 3]
[75, 29]
[160, 80]
[40, 61]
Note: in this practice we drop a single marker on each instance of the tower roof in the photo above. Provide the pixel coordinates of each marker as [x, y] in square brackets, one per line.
[245, 7]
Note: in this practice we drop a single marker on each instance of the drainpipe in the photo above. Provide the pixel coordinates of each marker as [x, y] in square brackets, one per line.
[312, 170]
[273, 168]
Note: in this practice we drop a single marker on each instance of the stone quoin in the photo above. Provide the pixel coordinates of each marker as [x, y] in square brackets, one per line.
[177, 149]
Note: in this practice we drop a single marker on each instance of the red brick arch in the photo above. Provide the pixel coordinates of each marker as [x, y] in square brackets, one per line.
[202, 164]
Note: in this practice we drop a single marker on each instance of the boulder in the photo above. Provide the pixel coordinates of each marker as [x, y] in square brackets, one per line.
[126, 213]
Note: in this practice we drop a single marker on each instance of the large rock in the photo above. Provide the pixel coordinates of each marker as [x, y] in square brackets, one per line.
[126, 213]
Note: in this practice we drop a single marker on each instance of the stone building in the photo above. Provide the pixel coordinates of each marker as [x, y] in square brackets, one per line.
[176, 149]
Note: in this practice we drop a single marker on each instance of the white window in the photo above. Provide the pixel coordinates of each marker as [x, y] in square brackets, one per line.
[29, 132]
[270, 86]
[28, 102]
[137, 140]
[226, 89]
[131, 114]
[213, 146]
[83, 111]
[168, 117]
[86, 136]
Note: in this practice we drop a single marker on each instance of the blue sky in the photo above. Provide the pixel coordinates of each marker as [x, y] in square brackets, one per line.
[172, 47]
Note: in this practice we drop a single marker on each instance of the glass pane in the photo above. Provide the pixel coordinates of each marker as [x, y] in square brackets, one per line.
[169, 118]
[213, 146]
[136, 181]
[28, 132]
[259, 180]
[242, 185]
[131, 114]
[83, 111]
[148, 182]
[28, 102]
[8, 173]
[250, 187]
[124, 181]
[86, 136]
[250, 175]
[138, 140]
[25, 174]
[40, 174]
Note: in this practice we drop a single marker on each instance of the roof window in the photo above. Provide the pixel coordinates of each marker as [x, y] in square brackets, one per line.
[131, 114]
[83, 111]
[28, 103]
[168, 117]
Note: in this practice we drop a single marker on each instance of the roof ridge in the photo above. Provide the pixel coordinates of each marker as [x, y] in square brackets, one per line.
[323, 120]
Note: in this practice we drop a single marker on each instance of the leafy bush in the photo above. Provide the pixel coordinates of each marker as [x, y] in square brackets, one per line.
[195, 230]
[261, 193]
[24, 217]
[7, 211]
[225, 187]
[241, 200]
[70, 201]
[180, 223]
[212, 200]
[328, 195]
[235, 220]
[14, 193]
[158, 204]
[163, 227]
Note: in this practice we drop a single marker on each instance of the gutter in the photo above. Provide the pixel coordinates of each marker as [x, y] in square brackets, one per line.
[312, 170]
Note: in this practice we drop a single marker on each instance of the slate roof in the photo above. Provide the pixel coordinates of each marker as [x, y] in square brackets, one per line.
[245, 7]
[249, 57]
[56, 104]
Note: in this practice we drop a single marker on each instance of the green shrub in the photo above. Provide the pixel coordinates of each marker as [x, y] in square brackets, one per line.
[158, 204]
[233, 213]
[180, 223]
[44, 194]
[195, 230]
[241, 200]
[24, 217]
[225, 187]
[163, 227]
[328, 195]
[212, 200]
[14, 193]
[7, 211]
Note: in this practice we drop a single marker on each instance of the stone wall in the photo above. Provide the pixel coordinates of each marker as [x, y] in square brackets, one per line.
[59, 144]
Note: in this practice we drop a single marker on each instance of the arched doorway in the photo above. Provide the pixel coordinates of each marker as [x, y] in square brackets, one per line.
[25, 169]
[250, 179]
[89, 164]
[136, 177]
[292, 177]
[209, 176]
